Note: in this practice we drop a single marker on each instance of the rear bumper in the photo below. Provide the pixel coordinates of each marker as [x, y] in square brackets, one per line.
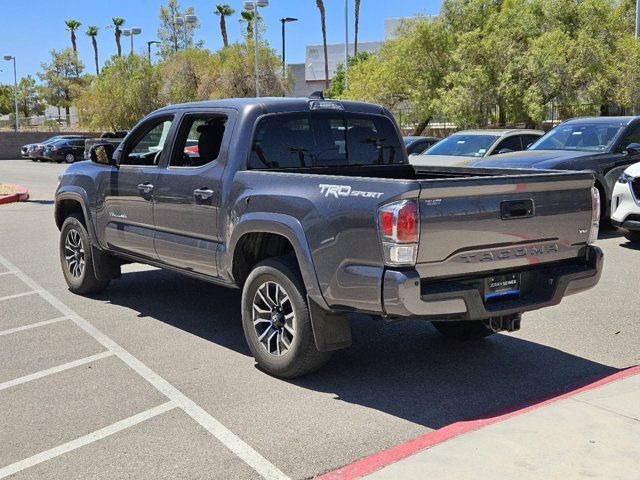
[629, 225]
[406, 295]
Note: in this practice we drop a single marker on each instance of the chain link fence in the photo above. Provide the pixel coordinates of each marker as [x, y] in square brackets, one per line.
[41, 123]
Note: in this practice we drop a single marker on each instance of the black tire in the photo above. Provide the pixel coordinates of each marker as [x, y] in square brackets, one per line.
[632, 236]
[69, 158]
[463, 330]
[34, 159]
[85, 281]
[302, 356]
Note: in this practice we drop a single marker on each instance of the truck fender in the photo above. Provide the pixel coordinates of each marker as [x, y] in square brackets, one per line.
[72, 192]
[288, 227]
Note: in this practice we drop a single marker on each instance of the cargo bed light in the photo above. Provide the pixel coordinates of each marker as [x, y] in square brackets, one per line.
[325, 105]
[399, 226]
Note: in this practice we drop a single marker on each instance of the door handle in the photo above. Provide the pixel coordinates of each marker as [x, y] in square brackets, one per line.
[203, 193]
[145, 188]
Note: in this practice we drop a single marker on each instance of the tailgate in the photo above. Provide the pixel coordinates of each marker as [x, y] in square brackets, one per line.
[481, 224]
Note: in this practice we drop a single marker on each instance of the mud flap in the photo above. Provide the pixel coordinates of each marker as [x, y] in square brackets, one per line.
[331, 330]
[105, 266]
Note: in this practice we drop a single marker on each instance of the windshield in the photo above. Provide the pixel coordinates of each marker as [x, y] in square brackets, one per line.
[578, 136]
[463, 145]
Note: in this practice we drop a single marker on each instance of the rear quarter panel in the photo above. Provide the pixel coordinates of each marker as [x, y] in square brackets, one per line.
[337, 220]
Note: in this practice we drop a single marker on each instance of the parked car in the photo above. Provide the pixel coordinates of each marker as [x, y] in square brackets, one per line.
[462, 147]
[36, 150]
[312, 209]
[605, 145]
[24, 150]
[417, 145]
[67, 150]
[108, 137]
[625, 204]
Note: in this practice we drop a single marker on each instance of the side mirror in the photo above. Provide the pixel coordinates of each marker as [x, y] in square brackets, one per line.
[504, 150]
[102, 153]
[632, 149]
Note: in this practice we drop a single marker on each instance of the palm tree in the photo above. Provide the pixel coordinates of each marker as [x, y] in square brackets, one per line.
[357, 24]
[72, 26]
[92, 31]
[224, 10]
[117, 23]
[248, 16]
[323, 21]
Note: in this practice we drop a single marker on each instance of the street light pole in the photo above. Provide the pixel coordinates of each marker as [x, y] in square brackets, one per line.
[252, 5]
[637, 18]
[284, 44]
[15, 88]
[346, 43]
[149, 43]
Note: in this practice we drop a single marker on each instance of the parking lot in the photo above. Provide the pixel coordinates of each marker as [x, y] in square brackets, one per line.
[152, 378]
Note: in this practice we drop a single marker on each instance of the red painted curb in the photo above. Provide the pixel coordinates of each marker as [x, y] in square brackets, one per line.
[393, 454]
[21, 196]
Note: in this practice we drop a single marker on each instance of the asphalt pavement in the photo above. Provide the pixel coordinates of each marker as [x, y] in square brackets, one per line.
[152, 378]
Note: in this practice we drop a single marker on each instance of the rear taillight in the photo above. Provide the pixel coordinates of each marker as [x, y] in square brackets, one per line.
[399, 225]
[595, 215]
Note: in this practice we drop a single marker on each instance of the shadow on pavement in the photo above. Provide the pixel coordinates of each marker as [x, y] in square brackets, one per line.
[404, 369]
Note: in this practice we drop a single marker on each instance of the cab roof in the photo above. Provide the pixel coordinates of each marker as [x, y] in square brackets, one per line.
[276, 104]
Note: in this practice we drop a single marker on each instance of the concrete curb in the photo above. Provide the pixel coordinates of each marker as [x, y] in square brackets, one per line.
[379, 460]
[21, 196]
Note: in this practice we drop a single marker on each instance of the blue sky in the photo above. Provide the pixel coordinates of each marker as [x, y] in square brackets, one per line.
[33, 27]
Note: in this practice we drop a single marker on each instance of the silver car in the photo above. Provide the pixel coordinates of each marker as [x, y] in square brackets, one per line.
[463, 147]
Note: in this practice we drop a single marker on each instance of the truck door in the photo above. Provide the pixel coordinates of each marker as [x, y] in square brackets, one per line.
[125, 195]
[187, 197]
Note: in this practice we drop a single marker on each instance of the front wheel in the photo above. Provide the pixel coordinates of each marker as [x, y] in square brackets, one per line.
[463, 330]
[277, 322]
[632, 236]
[76, 258]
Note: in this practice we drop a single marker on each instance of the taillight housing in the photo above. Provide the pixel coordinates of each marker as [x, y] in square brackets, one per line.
[595, 216]
[399, 226]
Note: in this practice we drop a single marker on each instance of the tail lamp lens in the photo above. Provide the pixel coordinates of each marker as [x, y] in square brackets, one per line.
[595, 215]
[399, 230]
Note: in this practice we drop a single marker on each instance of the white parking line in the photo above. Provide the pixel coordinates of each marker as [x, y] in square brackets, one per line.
[18, 295]
[31, 325]
[10, 272]
[51, 371]
[234, 443]
[85, 440]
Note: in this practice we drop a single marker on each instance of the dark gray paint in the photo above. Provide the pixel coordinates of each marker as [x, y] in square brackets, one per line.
[335, 239]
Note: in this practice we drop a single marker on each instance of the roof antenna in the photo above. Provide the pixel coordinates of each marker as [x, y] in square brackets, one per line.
[317, 95]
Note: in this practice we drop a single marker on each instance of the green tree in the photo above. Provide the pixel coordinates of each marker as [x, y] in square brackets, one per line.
[336, 89]
[6, 99]
[223, 10]
[72, 26]
[62, 79]
[92, 32]
[323, 24]
[127, 89]
[117, 32]
[248, 16]
[173, 36]
[30, 101]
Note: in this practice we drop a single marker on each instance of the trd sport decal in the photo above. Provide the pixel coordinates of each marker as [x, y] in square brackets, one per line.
[338, 191]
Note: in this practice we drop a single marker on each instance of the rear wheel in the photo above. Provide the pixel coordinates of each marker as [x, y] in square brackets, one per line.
[69, 158]
[76, 259]
[632, 236]
[277, 322]
[463, 330]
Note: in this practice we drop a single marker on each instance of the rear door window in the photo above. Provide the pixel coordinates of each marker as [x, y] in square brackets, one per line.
[302, 140]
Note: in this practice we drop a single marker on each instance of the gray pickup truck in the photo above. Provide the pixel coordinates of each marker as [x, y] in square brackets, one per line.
[312, 209]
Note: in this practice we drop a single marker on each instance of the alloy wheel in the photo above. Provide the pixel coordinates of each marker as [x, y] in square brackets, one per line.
[273, 318]
[74, 253]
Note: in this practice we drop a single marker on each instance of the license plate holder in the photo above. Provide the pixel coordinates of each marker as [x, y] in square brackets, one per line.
[499, 286]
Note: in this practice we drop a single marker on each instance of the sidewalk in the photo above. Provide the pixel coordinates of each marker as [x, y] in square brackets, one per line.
[593, 432]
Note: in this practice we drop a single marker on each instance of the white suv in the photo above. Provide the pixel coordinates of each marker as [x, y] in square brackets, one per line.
[625, 204]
